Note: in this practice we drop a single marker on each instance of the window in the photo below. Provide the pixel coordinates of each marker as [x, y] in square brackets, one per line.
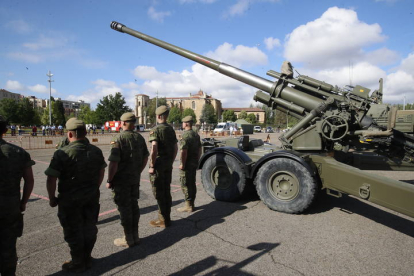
[257, 117]
[193, 106]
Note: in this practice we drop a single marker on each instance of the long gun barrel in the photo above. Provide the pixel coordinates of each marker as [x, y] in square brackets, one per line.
[288, 94]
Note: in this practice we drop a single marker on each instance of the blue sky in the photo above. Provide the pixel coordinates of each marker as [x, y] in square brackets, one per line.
[340, 42]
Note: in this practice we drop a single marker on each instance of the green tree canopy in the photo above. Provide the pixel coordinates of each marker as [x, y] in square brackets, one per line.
[58, 113]
[251, 118]
[229, 115]
[150, 109]
[26, 112]
[111, 108]
[175, 115]
[189, 112]
[208, 114]
[243, 115]
[9, 109]
[88, 116]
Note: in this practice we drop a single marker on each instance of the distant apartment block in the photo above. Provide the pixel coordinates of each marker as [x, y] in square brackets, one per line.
[73, 106]
[4, 94]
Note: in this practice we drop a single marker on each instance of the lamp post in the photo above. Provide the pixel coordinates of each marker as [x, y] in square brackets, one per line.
[49, 74]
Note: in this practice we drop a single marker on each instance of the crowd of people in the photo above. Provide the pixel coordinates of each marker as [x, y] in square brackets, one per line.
[80, 168]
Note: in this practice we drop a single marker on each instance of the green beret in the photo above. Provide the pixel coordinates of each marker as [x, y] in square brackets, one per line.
[161, 110]
[129, 116]
[74, 124]
[187, 119]
[2, 119]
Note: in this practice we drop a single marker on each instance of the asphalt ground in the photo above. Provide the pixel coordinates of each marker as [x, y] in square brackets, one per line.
[344, 236]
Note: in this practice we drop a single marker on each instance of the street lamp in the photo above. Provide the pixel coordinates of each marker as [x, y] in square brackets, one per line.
[49, 74]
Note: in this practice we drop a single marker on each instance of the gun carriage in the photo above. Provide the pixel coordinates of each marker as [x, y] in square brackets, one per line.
[326, 150]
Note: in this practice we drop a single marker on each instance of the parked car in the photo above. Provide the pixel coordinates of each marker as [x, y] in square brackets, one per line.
[257, 129]
[269, 130]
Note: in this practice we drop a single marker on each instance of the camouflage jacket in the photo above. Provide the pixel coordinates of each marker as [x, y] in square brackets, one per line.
[77, 166]
[190, 141]
[166, 139]
[129, 150]
[13, 161]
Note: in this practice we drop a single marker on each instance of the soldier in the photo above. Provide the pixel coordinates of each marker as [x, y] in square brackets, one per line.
[190, 147]
[80, 168]
[163, 152]
[129, 156]
[15, 163]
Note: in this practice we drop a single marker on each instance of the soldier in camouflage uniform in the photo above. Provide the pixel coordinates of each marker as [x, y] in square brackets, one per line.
[129, 156]
[190, 147]
[80, 168]
[163, 152]
[15, 163]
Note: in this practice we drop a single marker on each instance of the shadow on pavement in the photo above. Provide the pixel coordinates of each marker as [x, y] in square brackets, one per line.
[352, 205]
[205, 216]
[211, 261]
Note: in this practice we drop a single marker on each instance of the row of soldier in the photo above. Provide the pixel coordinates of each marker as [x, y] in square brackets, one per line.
[80, 168]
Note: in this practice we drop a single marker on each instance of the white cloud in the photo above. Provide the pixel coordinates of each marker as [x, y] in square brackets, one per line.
[334, 39]
[238, 56]
[157, 15]
[19, 26]
[398, 84]
[195, 1]
[39, 88]
[26, 57]
[232, 93]
[14, 86]
[242, 6]
[271, 43]
[102, 88]
[44, 42]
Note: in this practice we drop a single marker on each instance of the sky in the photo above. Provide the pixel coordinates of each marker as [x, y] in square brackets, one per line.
[339, 42]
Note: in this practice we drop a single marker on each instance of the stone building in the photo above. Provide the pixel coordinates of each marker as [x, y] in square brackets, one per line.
[4, 94]
[258, 112]
[193, 101]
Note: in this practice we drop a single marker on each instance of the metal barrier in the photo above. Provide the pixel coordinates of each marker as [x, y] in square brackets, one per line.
[50, 142]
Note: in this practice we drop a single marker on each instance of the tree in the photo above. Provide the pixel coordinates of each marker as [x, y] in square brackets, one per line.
[88, 116]
[251, 118]
[111, 108]
[26, 112]
[175, 115]
[58, 113]
[9, 109]
[229, 116]
[150, 109]
[208, 114]
[189, 112]
[243, 114]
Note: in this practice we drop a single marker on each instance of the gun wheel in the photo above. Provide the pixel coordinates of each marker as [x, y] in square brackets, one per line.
[285, 185]
[223, 177]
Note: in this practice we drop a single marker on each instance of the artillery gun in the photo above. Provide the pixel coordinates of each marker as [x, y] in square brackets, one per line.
[333, 140]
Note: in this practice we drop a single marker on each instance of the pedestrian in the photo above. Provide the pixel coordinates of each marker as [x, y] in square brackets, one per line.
[13, 130]
[103, 129]
[80, 168]
[15, 164]
[43, 130]
[34, 130]
[19, 129]
[163, 152]
[128, 158]
[190, 147]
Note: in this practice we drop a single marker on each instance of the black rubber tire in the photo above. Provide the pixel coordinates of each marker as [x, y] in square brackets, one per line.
[285, 185]
[223, 177]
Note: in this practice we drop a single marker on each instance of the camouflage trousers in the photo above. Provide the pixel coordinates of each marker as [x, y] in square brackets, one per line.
[78, 219]
[126, 199]
[161, 188]
[9, 228]
[188, 183]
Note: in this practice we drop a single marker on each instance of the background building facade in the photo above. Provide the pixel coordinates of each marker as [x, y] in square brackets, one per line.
[258, 112]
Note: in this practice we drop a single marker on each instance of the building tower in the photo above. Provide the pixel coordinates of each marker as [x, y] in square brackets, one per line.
[141, 102]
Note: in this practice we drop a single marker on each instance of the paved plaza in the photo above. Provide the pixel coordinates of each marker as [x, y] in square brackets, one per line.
[344, 236]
